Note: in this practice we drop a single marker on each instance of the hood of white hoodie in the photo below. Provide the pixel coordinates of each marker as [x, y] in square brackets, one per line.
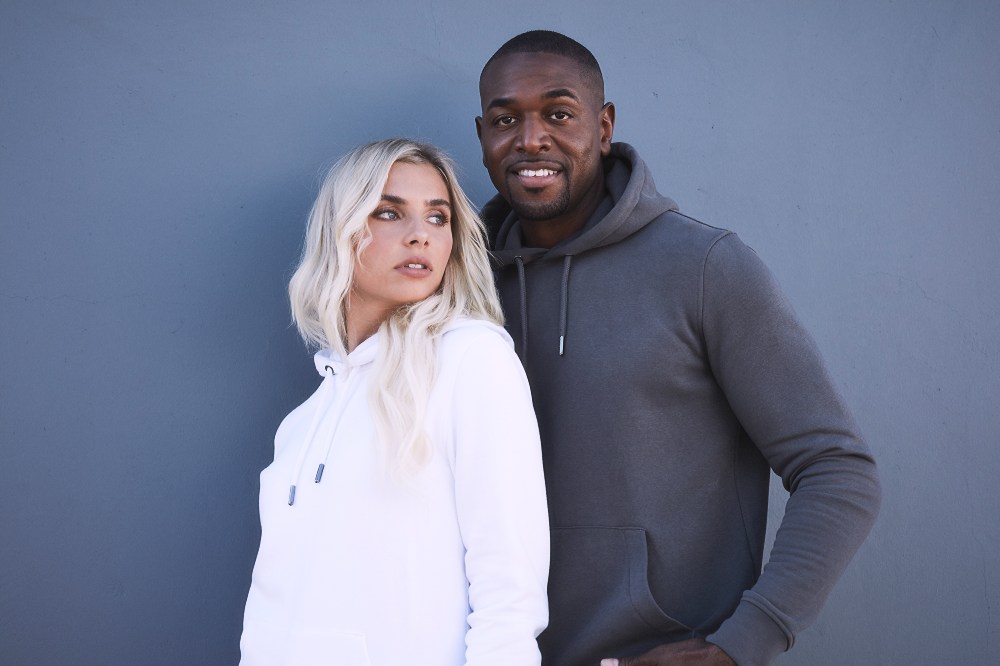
[327, 360]
[336, 369]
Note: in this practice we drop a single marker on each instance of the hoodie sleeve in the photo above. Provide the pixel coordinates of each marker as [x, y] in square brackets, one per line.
[500, 499]
[777, 384]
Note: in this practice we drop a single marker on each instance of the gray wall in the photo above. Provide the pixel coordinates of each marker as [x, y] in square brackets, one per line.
[157, 161]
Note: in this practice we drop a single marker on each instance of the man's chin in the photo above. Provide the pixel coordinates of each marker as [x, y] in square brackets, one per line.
[538, 211]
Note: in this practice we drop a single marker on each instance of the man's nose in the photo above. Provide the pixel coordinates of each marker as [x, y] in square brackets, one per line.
[533, 136]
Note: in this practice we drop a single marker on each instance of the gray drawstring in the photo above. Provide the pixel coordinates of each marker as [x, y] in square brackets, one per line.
[564, 303]
[524, 307]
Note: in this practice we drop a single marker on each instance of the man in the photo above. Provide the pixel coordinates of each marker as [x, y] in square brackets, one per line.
[669, 375]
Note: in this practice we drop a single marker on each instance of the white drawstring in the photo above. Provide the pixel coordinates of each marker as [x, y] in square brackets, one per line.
[336, 426]
[326, 388]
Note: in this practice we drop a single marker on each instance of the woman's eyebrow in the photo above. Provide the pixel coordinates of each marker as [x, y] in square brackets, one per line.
[400, 201]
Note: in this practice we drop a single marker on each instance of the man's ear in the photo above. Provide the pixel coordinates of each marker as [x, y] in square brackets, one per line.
[607, 121]
[479, 133]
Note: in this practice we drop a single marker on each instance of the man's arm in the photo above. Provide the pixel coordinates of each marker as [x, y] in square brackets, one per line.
[777, 385]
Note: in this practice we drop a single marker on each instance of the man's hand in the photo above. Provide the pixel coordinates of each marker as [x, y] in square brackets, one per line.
[693, 652]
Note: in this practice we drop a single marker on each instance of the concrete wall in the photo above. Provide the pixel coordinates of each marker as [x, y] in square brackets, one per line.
[157, 161]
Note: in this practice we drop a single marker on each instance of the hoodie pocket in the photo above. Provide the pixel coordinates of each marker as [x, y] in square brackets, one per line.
[643, 602]
[599, 595]
[327, 647]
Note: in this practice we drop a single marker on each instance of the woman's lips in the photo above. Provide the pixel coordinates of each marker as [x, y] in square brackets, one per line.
[418, 267]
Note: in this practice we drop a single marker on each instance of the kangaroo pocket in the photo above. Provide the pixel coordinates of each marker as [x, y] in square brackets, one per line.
[600, 603]
[326, 647]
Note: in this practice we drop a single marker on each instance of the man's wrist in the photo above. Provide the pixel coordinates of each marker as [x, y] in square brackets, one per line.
[751, 636]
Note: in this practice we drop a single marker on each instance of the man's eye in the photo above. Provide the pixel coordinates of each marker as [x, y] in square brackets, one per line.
[504, 121]
[560, 115]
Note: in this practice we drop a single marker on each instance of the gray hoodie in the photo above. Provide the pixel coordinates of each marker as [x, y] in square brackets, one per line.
[669, 374]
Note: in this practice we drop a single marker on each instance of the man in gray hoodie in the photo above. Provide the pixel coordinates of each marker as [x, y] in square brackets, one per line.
[669, 375]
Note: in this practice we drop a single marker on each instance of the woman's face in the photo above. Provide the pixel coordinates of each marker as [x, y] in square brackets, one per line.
[410, 243]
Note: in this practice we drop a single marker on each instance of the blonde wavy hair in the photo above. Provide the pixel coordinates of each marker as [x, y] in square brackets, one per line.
[336, 234]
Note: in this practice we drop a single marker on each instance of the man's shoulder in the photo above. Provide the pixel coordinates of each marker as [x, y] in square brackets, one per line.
[675, 220]
[677, 232]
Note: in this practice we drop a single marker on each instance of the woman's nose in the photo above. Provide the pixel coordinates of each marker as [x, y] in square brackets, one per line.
[417, 233]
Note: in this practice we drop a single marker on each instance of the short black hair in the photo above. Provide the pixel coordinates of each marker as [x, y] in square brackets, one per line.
[548, 41]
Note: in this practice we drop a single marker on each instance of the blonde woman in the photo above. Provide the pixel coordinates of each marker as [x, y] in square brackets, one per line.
[403, 520]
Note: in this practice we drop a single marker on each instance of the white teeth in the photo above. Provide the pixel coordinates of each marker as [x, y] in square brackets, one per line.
[536, 173]
[414, 266]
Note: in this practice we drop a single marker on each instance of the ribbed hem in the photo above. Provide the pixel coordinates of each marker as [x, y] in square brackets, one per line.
[750, 636]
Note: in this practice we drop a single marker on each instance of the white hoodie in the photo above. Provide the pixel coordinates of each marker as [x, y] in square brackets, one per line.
[448, 567]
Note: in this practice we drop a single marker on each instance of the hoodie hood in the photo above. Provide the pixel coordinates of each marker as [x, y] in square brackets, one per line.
[337, 372]
[327, 361]
[339, 375]
[631, 203]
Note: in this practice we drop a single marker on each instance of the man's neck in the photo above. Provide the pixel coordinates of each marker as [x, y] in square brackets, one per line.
[547, 233]
[550, 232]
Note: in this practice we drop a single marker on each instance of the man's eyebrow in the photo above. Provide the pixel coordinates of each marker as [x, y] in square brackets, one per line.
[499, 101]
[400, 201]
[550, 94]
[560, 92]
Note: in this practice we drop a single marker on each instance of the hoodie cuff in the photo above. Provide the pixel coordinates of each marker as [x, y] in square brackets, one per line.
[750, 636]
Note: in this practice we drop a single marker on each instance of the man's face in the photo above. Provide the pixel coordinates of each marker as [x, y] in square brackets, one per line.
[543, 131]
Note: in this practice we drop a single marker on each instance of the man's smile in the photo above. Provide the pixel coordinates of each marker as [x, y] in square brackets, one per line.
[531, 173]
[535, 175]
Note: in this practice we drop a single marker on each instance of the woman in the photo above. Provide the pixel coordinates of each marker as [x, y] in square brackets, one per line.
[403, 520]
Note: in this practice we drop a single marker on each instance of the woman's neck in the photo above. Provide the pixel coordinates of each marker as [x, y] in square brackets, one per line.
[362, 322]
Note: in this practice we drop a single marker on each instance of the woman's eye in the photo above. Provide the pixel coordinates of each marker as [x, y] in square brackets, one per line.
[385, 214]
[438, 219]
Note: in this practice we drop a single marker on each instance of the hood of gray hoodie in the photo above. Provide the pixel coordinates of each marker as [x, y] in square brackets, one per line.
[631, 203]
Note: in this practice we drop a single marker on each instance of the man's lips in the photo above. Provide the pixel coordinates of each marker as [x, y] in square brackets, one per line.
[535, 174]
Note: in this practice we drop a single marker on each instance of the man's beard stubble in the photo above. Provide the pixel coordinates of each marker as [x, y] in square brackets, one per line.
[539, 212]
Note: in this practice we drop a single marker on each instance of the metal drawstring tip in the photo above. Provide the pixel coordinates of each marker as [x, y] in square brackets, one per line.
[562, 340]
[291, 494]
[319, 472]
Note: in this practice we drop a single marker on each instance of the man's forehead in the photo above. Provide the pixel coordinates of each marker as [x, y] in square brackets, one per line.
[545, 75]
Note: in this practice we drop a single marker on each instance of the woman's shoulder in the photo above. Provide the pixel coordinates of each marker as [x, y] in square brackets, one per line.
[476, 351]
[466, 332]
[479, 375]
